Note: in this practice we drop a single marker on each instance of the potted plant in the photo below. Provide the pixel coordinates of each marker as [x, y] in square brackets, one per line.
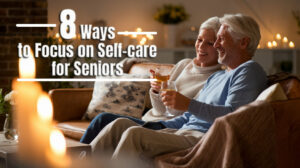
[6, 106]
[170, 15]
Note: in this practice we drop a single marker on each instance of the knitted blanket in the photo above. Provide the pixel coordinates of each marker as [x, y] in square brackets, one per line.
[244, 138]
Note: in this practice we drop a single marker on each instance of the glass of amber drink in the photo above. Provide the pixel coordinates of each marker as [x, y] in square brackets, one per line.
[161, 75]
[168, 86]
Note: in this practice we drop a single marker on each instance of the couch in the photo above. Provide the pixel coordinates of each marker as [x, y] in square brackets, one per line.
[70, 104]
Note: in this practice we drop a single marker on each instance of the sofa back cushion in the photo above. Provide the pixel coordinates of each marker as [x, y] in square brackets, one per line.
[272, 93]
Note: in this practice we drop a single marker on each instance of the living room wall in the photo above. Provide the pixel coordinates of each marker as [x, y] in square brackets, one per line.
[274, 16]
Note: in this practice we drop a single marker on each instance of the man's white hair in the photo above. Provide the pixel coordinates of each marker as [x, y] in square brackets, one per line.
[211, 23]
[240, 26]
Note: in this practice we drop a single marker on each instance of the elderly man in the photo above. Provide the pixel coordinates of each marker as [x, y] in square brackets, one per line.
[224, 92]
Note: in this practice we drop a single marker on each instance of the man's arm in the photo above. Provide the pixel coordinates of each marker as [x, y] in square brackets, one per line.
[245, 87]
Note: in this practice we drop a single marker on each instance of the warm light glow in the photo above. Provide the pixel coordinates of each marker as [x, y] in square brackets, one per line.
[57, 35]
[258, 46]
[138, 29]
[278, 36]
[291, 44]
[269, 44]
[45, 108]
[150, 37]
[143, 41]
[285, 39]
[274, 43]
[134, 36]
[57, 142]
[126, 33]
[78, 36]
[27, 66]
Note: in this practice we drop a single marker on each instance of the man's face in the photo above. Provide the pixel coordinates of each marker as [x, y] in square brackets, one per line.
[226, 46]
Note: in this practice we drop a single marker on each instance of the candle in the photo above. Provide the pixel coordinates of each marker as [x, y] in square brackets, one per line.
[258, 46]
[291, 44]
[269, 44]
[274, 44]
[278, 40]
[57, 153]
[278, 36]
[285, 42]
[26, 100]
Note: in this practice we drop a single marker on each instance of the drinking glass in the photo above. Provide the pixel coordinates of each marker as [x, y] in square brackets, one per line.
[169, 86]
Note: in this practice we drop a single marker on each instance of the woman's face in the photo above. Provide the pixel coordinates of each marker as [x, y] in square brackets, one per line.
[207, 55]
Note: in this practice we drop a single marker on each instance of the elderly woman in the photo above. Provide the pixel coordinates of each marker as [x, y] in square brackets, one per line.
[189, 75]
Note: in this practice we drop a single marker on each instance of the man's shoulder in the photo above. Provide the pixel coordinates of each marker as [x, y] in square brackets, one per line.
[250, 67]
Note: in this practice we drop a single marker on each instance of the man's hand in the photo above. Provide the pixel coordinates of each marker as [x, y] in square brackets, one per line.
[175, 100]
[156, 86]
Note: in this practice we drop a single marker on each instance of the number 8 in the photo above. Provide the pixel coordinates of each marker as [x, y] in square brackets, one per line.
[67, 26]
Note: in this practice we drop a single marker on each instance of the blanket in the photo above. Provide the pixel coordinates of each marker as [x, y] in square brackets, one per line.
[244, 138]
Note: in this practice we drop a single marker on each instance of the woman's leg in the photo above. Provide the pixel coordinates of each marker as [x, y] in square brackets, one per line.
[99, 122]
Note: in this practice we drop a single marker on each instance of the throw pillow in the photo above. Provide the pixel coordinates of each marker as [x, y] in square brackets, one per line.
[119, 97]
[272, 93]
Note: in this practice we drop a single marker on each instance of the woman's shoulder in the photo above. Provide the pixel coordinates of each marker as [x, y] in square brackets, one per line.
[183, 63]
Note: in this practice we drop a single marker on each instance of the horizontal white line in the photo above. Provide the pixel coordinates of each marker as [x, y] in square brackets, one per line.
[82, 80]
[137, 33]
[36, 25]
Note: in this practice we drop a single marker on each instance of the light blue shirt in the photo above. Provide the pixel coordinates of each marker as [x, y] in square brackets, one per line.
[223, 93]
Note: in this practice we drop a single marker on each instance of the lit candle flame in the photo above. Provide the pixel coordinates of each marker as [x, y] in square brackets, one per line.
[269, 44]
[274, 43]
[285, 39]
[57, 142]
[27, 66]
[57, 35]
[291, 44]
[278, 36]
[45, 108]
[138, 29]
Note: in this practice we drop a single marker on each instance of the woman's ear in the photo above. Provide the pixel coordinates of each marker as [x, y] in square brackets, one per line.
[244, 42]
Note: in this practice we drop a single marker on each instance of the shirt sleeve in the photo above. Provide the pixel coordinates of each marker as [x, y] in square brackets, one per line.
[177, 122]
[244, 87]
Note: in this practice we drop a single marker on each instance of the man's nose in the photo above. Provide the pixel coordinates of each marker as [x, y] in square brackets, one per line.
[216, 44]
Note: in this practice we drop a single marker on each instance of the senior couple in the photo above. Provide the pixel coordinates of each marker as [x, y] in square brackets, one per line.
[205, 92]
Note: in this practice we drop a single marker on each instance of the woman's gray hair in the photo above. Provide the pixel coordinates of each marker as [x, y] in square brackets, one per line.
[211, 23]
[240, 26]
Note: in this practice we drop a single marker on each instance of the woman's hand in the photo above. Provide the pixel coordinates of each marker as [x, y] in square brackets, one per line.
[156, 86]
[175, 100]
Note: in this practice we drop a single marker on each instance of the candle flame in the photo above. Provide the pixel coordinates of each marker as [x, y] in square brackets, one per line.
[57, 142]
[139, 29]
[278, 36]
[274, 43]
[27, 66]
[291, 44]
[285, 39]
[269, 44]
[45, 108]
[57, 35]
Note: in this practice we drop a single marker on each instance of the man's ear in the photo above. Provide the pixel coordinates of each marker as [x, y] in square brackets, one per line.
[244, 42]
